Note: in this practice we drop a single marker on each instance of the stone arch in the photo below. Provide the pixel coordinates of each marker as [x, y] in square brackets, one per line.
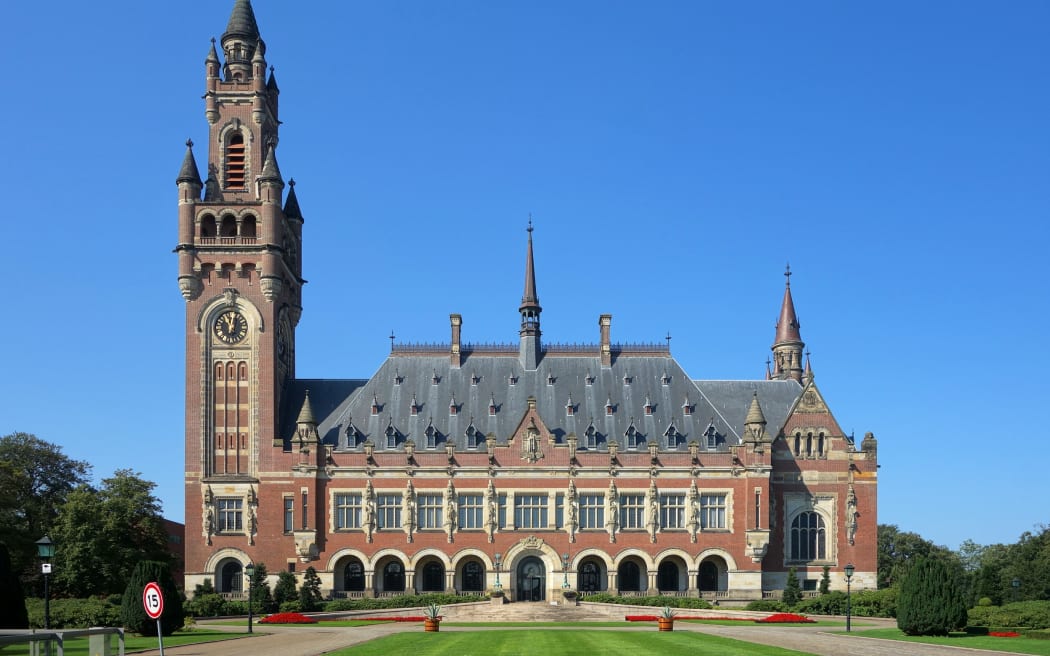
[672, 571]
[467, 566]
[712, 570]
[211, 309]
[390, 571]
[227, 568]
[424, 554]
[632, 570]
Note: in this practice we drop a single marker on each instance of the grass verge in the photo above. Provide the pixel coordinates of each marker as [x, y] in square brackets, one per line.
[1015, 645]
[79, 646]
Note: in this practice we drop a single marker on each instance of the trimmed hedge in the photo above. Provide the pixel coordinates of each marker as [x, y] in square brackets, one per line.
[74, 613]
[673, 602]
[1026, 614]
[402, 601]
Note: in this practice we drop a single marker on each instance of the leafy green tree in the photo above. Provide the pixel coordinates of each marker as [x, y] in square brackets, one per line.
[35, 479]
[792, 592]
[13, 614]
[896, 549]
[103, 533]
[133, 615]
[930, 601]
[310, 591]
[825, 581]
[285, 588]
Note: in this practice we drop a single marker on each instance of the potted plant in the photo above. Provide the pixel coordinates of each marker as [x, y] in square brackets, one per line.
[666, 619]
[432, 618]
[569, 594]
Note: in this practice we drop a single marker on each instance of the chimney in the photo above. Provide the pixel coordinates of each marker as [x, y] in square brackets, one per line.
[605, 322]
[455, 354]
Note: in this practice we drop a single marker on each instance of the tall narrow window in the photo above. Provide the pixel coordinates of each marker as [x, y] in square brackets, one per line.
[235, 161]
[808, 537]
[305, 508]
[289, 508]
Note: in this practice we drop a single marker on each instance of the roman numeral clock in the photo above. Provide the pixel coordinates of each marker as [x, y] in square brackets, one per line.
[231, 327]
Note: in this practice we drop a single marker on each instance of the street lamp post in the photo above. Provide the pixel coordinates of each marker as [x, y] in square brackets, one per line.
[849, 610]
[1016, 585]
[499, 586]
[249, 571]
[45, 548]
[565, 570]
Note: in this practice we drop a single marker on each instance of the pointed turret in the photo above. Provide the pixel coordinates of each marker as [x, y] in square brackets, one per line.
[788, 344]
[306, 425]
[291, 203]
[270, 171]
[240, 42]
[189, 173]
[755, 423]
[807, 375]
[530, 309]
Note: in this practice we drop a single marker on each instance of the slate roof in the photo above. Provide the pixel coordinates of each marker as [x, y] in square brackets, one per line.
[433, 383]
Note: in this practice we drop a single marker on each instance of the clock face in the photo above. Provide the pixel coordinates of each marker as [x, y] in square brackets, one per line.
[231, 327]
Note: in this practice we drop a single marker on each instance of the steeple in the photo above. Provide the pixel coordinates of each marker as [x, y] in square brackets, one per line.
[788, 344]
[189, 171]
[240, 41]
[530, 309]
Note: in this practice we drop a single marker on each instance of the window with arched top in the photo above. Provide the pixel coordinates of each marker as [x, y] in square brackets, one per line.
[235, 161]
[808, 537]
[208, 227]
[248, 227]
[228, 226]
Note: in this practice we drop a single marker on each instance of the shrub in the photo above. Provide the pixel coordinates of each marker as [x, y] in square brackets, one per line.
[284, 591]
[930, 602]
[875, 603]
[825, 580]
[792, 592]
[984, 601]
[766, 606]
[657, 600]
[291, 607]
[206, 605]
[832, 603]
[402, 601]
[1027, 614]
[133, 616]
[74, 613]
[310, 591]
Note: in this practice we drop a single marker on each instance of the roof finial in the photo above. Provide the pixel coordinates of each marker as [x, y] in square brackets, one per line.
[787, 273]
[392, 339]
[529, 229]
[189, 143]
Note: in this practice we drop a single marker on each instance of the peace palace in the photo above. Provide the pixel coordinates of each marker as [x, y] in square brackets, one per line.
[461, 467]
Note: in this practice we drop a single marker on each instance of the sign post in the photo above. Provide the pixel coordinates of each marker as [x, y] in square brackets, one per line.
[153, 602]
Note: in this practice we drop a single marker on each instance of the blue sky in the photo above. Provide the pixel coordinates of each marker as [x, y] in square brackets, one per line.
[674, 156]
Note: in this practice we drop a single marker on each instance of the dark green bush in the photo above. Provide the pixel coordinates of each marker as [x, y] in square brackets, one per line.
[766, 606]
[291, 607]
[73, 613]
[133, 616]
[402, 601]
[832, 603]
[1026, 614]
[930, 601]
[206, 605]
[875, 603]
[792, 592]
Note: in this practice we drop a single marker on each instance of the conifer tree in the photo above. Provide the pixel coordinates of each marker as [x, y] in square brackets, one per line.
[825, 581]
[285, 588]
[310, 591]
[930, 602]
[792, 593]
[133, 615]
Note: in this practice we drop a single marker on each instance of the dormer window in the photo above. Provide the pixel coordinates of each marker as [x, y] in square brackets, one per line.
[627, 379]
[608, 407]
[550, 379]
[512, 380]
[351, 435]
[431, 434]
[391, 436]
[672, 437]
[590, 438]
[569, 407]
[648, 406]
[474, 379]
[665, 379]
[452, 407]
[632, 436]
[397, 377]
[712, 437]
[472, 436]
[492, 407]
[375, 405]
[414, 408]
[588, 379]
[687, 408]
[435, 379]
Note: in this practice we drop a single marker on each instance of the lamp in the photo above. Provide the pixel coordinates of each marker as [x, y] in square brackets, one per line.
[499, 586]
[565, 570]
[848, 569]
[1016, 585]
[45, 548]
[249, 571]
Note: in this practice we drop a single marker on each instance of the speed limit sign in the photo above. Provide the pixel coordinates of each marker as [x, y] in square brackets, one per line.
[153, 600]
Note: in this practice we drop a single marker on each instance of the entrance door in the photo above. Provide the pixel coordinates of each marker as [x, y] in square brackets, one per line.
[708, 576]
[590, 577]
[433, 577]
[532, 580]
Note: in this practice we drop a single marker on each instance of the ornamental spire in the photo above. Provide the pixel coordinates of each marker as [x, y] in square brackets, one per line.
[529, 353]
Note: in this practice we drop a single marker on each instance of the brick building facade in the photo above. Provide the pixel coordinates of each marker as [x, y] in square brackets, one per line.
[460, 467]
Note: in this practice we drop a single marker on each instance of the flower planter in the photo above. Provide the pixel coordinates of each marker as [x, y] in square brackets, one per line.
[431, 625]
[665, 624]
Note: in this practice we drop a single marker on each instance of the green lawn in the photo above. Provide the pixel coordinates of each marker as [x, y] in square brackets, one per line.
[79, 646]
[561, 643]
[1017, 645]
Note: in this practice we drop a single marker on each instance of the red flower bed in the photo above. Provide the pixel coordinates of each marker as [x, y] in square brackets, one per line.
[287, 618]
[786, 618]
[410, 618]
[1004, 634]
[653, 618]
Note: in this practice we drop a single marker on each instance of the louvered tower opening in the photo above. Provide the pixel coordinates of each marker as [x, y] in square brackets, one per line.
[235, 162]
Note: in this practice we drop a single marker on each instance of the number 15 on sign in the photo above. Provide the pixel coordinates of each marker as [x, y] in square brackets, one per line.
[153, 603]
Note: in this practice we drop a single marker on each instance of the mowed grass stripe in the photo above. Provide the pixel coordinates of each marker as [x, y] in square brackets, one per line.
[561, 643]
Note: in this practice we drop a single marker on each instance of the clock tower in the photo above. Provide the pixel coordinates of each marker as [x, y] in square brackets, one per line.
[240, 274]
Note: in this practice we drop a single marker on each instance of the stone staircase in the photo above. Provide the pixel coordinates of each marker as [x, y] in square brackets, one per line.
[539, 611]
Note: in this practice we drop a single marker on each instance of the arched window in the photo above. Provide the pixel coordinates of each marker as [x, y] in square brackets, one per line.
[235, 158]
[629, 577]
[473, 577]
[228, 228]
[590, 577]
[808, 537]
[231, 577]
[667, 577]
[393, 577]
[208, 229]
[433, 577]
[354, 576]
[248, 227]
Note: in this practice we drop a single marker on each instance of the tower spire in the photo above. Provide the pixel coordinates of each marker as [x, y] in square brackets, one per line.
[788, 344]
[530, 309]
[240, 41]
